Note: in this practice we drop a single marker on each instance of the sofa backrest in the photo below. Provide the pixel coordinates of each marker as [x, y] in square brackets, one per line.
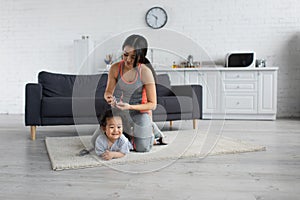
[67, 85]
[163, 85]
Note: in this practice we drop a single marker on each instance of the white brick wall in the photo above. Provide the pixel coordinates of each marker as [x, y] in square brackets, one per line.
[38, 35]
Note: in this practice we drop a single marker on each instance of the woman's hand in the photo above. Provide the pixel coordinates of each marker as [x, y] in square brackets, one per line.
[123, 106]
[111, 100]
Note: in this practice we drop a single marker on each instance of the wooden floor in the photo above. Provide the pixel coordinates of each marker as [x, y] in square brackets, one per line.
[272, 174]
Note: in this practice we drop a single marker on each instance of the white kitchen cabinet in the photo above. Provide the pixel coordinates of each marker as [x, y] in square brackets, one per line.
[210, 82]
[239, 96]
[232, 93]
[267, 97]
[176, 78]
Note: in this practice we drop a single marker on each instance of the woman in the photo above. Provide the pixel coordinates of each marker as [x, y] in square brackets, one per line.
[132, 83]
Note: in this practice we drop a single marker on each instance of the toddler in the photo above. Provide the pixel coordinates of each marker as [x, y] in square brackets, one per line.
[111, 143]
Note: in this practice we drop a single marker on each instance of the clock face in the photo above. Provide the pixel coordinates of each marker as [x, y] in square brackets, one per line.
[156, 17]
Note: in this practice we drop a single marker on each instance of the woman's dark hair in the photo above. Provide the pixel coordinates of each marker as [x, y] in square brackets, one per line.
[140, 45]
[110, 113]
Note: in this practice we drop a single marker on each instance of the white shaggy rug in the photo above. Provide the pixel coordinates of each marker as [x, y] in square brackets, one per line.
[63, 151]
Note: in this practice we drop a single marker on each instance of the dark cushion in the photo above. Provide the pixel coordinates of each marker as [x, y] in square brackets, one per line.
[174, 104]
[69, 107]
[33, 96]
[66, 85]
[163, 85]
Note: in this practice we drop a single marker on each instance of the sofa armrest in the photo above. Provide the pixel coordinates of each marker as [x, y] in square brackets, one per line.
[33, 99]
[193, 91]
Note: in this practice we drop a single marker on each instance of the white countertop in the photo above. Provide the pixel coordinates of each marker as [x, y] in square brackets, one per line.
[219, 68]
[212, 68]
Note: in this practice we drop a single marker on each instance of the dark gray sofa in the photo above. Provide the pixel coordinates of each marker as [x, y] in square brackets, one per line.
[64, 99]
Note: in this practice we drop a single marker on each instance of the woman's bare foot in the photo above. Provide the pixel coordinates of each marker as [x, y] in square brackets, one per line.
[159, 141]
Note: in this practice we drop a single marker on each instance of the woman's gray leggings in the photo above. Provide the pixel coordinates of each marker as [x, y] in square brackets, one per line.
[141, 131]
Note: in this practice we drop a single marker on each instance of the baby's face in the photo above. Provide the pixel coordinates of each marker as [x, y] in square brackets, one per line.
[114, 128]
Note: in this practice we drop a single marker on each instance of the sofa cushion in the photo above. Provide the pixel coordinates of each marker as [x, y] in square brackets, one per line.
[163, 85]
[66, 85]
[69, 107]
[174, 104]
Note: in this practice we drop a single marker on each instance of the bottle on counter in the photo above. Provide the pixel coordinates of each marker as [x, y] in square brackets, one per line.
[174, 65]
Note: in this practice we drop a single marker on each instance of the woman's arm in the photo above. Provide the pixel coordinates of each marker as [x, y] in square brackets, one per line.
[149, 84]
[111, 84]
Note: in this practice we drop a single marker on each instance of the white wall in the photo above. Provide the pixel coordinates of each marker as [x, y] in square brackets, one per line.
[38, 35]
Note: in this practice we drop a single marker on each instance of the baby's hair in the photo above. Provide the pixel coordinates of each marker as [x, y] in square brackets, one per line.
[110, 113]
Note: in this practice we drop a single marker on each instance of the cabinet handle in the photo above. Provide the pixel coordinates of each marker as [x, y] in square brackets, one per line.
[238, 76]
[238, 87]
[237, 103]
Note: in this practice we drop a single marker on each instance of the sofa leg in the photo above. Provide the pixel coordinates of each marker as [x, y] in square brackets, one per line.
[171, 125]
[33, 132]
[194, 123]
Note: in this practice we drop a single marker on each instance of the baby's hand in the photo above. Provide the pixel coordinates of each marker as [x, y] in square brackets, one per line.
[107, 155]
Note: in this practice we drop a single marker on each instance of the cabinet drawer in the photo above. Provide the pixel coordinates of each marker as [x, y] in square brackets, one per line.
[240, 87]
[239, 75]
[240, 104]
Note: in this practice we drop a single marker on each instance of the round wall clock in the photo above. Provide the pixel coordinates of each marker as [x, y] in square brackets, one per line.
[156, 17]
